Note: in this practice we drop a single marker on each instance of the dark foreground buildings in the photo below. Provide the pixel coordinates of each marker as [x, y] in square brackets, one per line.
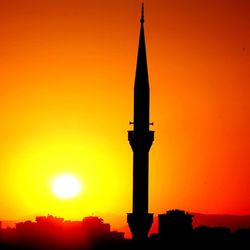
[175, 231]
[49, 232]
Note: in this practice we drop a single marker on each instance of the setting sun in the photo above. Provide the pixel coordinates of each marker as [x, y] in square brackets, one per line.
[66, 186]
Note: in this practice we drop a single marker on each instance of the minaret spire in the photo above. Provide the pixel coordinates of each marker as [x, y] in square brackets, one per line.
[141, 139]
[141, 93]
[142, 13]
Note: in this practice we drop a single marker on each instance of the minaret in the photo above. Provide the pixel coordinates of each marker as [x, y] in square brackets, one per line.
[140, 139]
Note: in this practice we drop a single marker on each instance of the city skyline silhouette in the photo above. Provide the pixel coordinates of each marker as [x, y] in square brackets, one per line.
[175, 231]
[66, 97]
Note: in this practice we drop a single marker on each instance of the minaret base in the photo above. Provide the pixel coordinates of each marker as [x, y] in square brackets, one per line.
[140, 225]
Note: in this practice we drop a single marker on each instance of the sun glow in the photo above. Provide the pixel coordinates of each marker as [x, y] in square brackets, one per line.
[66, 186]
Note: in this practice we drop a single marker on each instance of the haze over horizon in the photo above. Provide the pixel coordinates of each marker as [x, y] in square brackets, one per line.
[66, 95]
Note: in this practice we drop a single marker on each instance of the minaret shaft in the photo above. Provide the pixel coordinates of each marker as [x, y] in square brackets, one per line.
[140, 189]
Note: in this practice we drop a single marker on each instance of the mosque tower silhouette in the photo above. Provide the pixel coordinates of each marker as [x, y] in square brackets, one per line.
[140, 139]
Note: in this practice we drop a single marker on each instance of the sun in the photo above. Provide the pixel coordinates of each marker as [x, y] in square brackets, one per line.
[66, 186]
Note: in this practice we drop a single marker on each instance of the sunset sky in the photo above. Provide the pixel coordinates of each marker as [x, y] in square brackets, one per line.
[67, 71]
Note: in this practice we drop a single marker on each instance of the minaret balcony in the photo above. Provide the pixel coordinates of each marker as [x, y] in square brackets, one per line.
[141, 140]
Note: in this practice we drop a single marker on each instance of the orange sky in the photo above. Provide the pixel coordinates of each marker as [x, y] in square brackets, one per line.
[67, 71]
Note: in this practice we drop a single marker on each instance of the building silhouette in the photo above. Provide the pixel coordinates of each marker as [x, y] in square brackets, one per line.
[50, 232]
[175, 225]
[140, 139]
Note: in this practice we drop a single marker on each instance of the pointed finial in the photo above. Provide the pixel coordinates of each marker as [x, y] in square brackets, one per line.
[142, 13]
